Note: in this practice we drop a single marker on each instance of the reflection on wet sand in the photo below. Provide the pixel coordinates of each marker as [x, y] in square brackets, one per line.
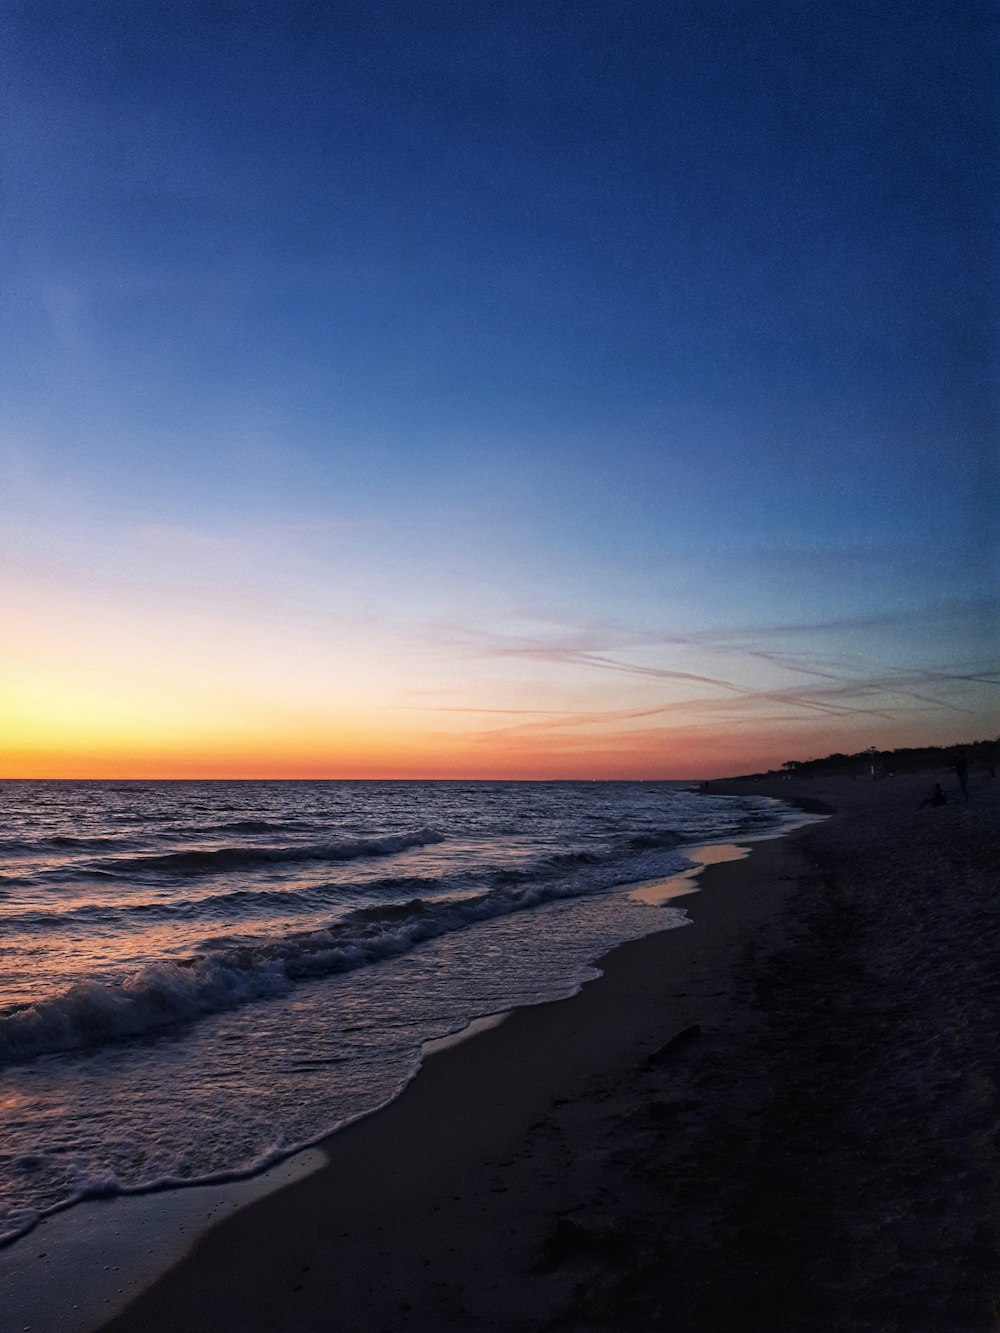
[660, 891]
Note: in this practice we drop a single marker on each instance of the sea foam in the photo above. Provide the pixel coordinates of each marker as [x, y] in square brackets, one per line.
[166, 993]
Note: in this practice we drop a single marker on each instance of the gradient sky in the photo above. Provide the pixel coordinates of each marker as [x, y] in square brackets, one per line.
[586, 389]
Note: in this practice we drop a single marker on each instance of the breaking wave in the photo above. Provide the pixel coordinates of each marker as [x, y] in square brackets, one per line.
[234, 902]
[164, 994]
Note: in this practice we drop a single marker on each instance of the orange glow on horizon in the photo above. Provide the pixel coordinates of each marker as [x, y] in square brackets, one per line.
[93, 689]
[342, 753]
[698, 754]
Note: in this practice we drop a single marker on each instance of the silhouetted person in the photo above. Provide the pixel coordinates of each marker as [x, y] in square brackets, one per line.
[962, 773]
[937, 797]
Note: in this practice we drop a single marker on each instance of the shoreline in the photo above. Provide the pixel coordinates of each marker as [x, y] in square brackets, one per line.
[817, 1151]
[466, 1138]
[75, 1254]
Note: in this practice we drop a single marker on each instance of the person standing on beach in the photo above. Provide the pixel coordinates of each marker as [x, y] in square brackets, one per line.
[962, 773]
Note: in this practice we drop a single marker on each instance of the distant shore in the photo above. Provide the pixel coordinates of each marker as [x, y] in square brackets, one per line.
[781, 1117]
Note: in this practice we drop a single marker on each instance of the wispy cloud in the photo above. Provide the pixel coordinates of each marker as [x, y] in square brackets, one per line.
[566, 634]
[838, 692]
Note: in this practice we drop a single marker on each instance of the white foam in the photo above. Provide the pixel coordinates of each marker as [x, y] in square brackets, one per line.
[163, 994]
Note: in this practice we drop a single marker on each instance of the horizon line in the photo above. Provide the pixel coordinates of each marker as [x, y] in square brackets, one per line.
[70, 778]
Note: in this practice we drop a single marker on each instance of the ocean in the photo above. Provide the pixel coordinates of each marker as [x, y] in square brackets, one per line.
[199, 978]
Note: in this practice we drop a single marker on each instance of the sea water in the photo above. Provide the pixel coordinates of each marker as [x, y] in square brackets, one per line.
[198, 978]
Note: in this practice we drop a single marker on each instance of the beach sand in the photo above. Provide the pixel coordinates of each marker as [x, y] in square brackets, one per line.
[817, 1151]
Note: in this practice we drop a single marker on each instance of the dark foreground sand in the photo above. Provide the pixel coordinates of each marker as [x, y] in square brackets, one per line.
[820, 1155]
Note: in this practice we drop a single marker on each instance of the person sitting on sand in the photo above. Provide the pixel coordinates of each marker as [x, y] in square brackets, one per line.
[937, 797]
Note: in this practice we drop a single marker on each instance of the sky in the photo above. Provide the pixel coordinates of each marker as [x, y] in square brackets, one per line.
[593, 389]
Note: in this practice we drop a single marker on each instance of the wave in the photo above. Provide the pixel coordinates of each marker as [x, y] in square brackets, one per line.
[87, 844]
[557, 863]
[657, 838]
[210, 861]
[15, 882]
[205, 830]
[16, 846]
[234, 903]
[258, 826]
[165, 994]
[61, 842]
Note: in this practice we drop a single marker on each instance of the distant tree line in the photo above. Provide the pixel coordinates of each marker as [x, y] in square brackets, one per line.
[977, 753]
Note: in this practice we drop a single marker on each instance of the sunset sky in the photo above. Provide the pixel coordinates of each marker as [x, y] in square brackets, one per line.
[586, 389]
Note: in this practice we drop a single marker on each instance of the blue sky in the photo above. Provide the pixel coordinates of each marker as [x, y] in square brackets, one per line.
[499, 325]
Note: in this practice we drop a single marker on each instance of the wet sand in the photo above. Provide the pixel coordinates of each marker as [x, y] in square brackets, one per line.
[783, 1116]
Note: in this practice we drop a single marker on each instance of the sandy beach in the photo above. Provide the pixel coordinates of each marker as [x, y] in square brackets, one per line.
[783, 1116]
